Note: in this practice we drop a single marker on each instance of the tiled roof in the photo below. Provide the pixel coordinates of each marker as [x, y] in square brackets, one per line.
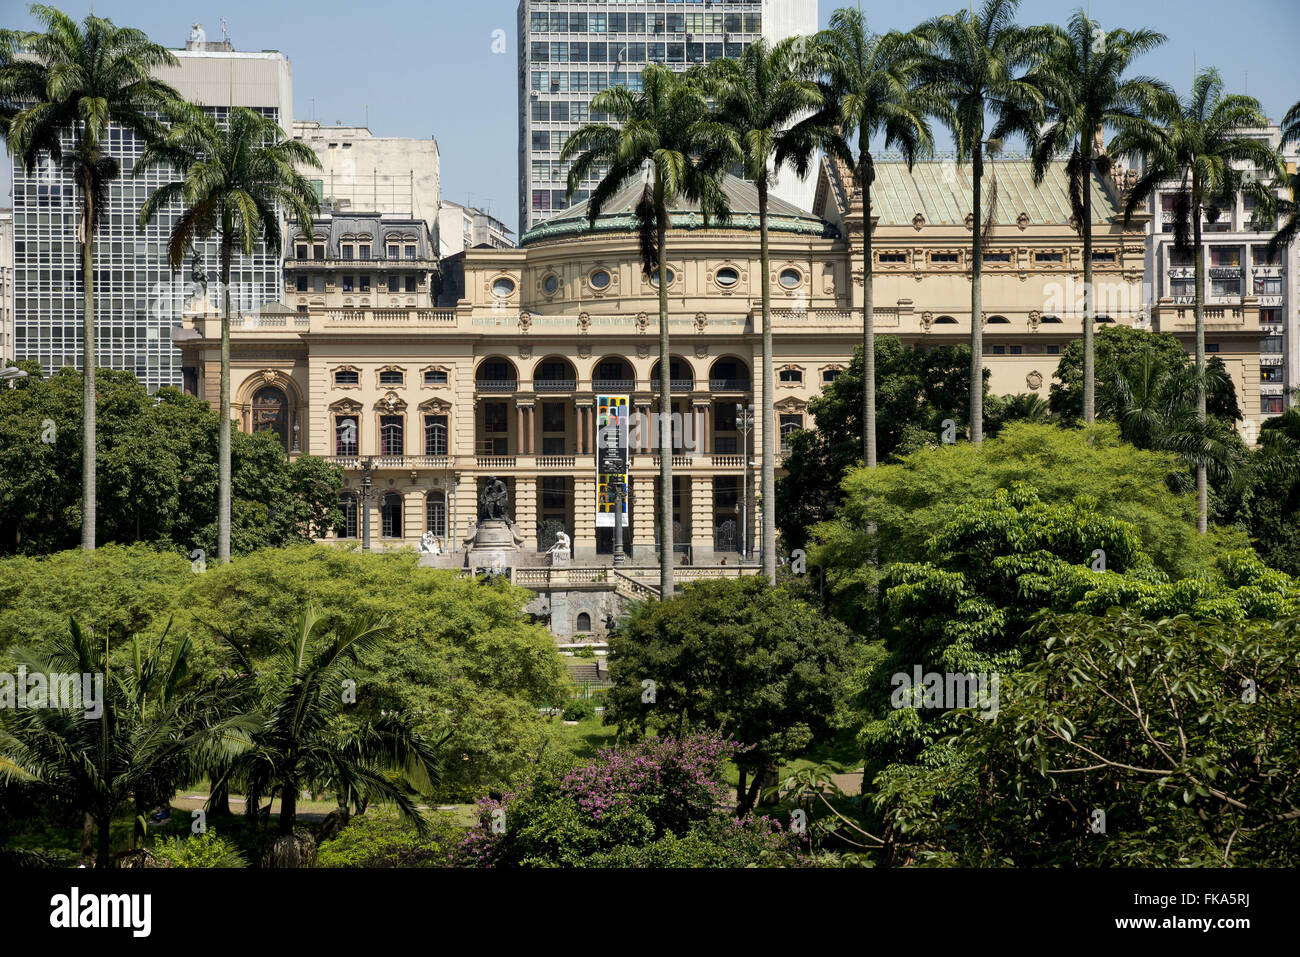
[940, 191]
[618, 213]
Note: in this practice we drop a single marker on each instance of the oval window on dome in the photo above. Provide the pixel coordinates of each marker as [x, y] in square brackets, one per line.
[503, 287]
[654, 277]
[550, 284]
[791, 278]
[599, 279]
[726, 276]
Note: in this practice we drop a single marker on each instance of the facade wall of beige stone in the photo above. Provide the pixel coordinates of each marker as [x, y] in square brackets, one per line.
[548, 303]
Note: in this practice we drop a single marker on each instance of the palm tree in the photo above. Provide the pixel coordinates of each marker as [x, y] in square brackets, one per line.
[303, 736]
[1194, 144]
[1289, 230]
[78, 80]
[1154, 406]
[978, 64]
[870, 80]
[1089, 91]
[664, 134]
[771, 107]
[153, 732]
[236, 180]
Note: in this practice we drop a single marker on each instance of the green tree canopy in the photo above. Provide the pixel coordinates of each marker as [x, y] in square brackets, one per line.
[735, 656]
[157, 472]
[1128, 742]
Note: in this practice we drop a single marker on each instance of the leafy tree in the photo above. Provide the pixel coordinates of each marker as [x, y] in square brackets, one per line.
[1088, 91]
[236, 180]
[152, 732]
[737, 656]
[871, 93]
[911, 501]
[916, 390]
[665, 128]
[974, 65]
[82, 79]
[1265, 500]
[156, 456]
[1174, 738]
[1198, 143]
[1119, 348]
[772, 110]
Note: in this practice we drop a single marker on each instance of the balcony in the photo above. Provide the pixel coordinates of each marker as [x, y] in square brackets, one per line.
[554, 385]
[613, 385]
[496, 385]
[566, 462]
[392, 461]
[728, 385]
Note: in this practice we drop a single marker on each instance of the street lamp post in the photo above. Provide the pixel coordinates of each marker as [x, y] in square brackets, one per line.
[620, 496]
[744, 425]
[367, 466]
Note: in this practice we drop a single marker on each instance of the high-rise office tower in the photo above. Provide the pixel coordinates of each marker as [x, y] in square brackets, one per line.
[137, 298]
[569, 50]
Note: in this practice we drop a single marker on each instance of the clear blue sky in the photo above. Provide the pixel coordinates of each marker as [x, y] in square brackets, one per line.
[426, 67]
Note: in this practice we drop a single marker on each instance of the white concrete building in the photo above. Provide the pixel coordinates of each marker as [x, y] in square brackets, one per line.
[6, 286]
[465, 227]
[1247, 292]
[361, 172]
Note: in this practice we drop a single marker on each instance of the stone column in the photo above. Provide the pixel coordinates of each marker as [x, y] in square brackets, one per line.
[642, 513]
[700, 427]
[585, 439]
[524, 512]
[702, 520]
[519, 431]
[584, 516]
[532, 429]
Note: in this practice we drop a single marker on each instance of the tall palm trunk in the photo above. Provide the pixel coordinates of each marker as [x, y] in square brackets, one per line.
[665, 410]
[223, 441]
[768, 480]
[89, 438]
[867, 176]
[288, 806]
[976, 302]
[1089, 293]
[1198, 260]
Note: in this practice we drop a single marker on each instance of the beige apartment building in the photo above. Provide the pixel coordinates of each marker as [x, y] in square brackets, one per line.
[502, 374]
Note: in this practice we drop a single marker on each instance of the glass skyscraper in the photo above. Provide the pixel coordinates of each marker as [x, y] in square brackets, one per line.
[570, 50]
[138, 301]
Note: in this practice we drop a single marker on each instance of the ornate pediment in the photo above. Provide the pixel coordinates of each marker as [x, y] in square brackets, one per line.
[435, 406]
[791, 404]
[345, 407]
[391, 402]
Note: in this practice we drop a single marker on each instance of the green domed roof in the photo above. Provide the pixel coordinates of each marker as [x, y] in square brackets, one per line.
[619, 215]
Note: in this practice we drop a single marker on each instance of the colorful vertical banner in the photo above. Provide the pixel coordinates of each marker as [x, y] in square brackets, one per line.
[611, 456]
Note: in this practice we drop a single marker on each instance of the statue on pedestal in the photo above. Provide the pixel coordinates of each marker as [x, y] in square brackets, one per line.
[493, 502]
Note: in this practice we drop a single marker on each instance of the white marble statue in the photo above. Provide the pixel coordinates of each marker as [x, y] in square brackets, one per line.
[429, 544]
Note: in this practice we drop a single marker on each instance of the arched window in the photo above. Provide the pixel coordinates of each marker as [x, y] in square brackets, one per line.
[435, 513]
[998, 320]
[348, 505]
[945, 320]
[390, 435]
[390, 516]
[584, 622]
[271, 413]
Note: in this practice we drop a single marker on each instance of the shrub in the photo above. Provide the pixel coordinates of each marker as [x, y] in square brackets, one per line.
[373, 841]
[579, 709]
[198, 850]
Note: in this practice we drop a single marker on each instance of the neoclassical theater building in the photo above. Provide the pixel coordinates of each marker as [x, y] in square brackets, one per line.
[424, 379]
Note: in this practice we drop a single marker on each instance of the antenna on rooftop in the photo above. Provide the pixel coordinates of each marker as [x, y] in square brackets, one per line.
[225, 34]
